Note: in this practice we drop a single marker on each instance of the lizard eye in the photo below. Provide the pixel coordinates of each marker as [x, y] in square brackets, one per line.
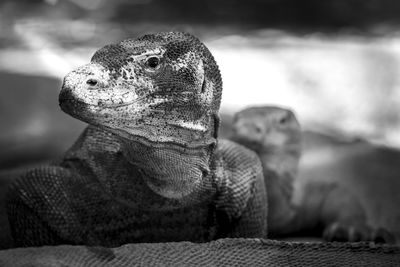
[91, 82]
[153, 62]
[283, 120]
[257, 129]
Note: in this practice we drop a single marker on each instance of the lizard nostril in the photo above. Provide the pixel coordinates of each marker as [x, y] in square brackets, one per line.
[91, 82]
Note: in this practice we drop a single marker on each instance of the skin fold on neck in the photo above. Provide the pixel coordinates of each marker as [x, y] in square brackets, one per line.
[169, 170]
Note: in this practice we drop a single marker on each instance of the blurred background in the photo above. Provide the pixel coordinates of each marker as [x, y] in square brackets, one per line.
[334, 62]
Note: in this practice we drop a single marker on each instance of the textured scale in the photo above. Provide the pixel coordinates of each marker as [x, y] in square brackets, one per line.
[223, 252]
[149, 168]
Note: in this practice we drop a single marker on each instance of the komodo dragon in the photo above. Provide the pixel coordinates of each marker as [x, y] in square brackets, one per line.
[150, 168]
[274, 133]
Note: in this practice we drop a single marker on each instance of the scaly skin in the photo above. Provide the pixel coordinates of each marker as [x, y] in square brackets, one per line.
[275, 135]
[223, 252]
[149, 167]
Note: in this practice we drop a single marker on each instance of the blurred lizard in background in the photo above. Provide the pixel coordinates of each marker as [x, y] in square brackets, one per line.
[275, 135]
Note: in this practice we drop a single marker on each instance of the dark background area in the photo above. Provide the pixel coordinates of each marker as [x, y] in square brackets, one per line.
[371, 17]
[308, 15]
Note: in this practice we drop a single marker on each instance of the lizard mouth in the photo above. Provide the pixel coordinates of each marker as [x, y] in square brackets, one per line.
[68, 103]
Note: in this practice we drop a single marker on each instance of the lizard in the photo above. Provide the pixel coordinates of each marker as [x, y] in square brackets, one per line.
[149, 167]
[275, 134]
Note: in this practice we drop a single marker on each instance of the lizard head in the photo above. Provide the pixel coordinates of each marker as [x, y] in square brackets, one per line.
[163, 87]
[267, 128]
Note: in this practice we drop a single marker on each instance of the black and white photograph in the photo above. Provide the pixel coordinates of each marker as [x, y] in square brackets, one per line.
[200, 133]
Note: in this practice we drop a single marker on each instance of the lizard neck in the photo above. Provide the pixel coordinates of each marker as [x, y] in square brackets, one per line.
[280, 167]
[170, 170]
[281, 160]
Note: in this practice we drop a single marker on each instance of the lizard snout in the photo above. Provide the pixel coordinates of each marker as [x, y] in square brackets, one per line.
[84, 85]
[67, 97]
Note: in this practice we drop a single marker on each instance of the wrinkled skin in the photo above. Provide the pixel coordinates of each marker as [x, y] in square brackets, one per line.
[153, 90]
[144, 88]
